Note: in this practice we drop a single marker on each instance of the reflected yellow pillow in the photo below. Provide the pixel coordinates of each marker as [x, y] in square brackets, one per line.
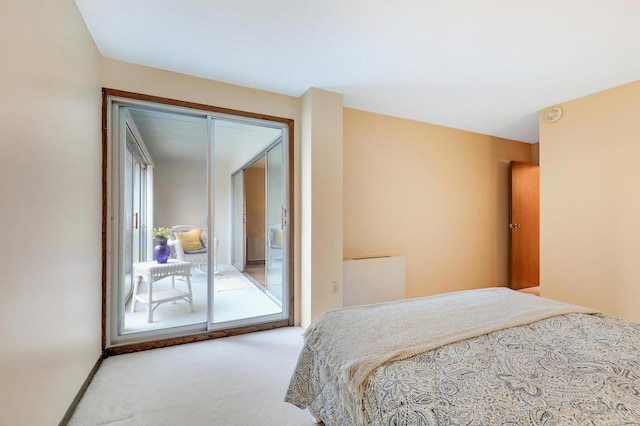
[190, 240]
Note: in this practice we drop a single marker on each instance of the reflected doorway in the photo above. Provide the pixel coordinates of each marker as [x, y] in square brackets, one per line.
[259, 216]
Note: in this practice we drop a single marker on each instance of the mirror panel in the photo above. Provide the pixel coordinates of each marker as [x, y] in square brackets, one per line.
[188, 171]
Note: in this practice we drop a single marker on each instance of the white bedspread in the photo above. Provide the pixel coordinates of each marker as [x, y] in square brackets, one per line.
[348, 344]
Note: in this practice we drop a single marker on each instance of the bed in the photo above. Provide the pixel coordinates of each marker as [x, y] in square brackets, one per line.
[480, 357]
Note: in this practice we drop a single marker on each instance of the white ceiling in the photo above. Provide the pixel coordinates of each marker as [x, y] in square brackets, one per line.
[178, 137]
[484, 66]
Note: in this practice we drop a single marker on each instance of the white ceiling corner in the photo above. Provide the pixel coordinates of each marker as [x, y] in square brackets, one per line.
[486, 67]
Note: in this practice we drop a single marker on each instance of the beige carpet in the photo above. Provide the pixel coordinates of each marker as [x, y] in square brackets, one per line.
[238, 380]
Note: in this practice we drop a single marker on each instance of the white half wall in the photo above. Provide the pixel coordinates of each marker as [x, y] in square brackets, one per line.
[373, 280]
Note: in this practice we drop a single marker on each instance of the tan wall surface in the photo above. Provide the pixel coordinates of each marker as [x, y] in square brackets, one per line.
[437, 196]
[135, 78]
[50, 210]
[590, 241]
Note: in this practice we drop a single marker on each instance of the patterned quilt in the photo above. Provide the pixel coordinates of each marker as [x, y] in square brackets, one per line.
[573, 369]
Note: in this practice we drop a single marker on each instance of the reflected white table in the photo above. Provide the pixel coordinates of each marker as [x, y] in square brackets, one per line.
[153, 271]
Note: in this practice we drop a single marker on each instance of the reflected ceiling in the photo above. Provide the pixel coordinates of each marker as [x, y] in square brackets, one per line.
[179, 137]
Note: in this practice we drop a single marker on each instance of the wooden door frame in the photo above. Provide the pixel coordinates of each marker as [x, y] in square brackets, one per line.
[206, 335]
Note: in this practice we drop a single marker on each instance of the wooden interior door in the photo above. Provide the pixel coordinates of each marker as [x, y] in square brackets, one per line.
[524, 253]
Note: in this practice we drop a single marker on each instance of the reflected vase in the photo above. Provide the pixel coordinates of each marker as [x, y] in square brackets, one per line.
[162, 250]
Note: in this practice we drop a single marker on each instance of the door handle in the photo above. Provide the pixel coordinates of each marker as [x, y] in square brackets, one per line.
[514, 225]
[135, 226]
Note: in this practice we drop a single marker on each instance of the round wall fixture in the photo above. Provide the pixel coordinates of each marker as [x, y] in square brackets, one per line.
[553, 114]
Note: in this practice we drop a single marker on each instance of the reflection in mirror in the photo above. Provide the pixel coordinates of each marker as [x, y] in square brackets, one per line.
[241, 178]
[216, 186]
[237, 213]
[275, 214]
[166, 187]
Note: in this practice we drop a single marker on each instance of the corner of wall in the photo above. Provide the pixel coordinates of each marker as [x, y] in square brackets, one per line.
[321, 204]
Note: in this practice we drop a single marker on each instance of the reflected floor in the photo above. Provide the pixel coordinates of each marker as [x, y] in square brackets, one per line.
[271, 282]
[257, 272]
[235, 298]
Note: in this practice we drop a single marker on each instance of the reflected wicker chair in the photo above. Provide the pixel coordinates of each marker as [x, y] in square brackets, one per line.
[197, 257]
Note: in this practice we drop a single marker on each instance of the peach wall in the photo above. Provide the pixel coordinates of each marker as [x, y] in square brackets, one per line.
[437, 196]
[50, 187]
[590, 241]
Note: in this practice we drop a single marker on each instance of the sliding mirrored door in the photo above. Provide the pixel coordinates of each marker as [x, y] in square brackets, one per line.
[276, 222]
[254, 275]
[184, 170]
[159, 184]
